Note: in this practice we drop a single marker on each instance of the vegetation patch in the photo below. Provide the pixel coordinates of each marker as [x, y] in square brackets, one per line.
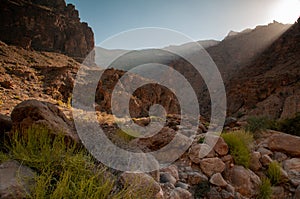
[127, 135]
[256, 124]
[239, 143]
[274, 173]
[64, 170]
[290, 125]
[265, 190]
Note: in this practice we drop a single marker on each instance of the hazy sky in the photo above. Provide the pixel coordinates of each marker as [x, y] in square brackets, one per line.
[198, 19]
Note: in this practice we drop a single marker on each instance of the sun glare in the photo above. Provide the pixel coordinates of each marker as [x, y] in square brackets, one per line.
[286, 11]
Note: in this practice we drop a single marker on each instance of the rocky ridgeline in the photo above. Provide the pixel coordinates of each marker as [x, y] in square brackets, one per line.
[192, 175]
[46, 26]
[249, 76]
[270, 85]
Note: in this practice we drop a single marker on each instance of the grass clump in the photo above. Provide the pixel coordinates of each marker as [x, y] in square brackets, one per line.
[256, 124]
[265, 190]
[127, 135]
[274, 173]
[64, 170]
[239, 143]
[290, 125]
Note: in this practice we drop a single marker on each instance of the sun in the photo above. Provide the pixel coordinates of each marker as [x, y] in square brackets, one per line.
[286, 11]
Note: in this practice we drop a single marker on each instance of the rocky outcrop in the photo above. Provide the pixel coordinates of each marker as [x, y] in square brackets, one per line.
[47, 26]
[141, 100]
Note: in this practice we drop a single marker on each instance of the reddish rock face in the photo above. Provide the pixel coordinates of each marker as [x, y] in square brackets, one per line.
[45, 25]
[143, 98]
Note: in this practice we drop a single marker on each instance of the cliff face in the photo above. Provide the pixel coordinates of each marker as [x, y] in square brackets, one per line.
[235, 53]
[270, 85]
[45, 25]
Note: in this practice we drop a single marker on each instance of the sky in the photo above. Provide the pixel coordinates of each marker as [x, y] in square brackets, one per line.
[197, 19]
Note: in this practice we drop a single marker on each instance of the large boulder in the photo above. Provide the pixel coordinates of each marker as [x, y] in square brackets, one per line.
[221, 147]
[218, 180]
[199, 151]
[210, 166]
[15, 180]
[288, 144]
[34, 112]
[244, 180]
[292, 167]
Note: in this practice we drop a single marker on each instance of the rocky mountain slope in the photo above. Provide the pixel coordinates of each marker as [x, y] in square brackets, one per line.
[236, 52]
[46, 26]
[270, 85]
[27, 74]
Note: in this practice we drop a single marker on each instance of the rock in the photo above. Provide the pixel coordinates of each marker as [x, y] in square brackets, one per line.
[6, 84]
[278, 193]
[5, 123]
[34, 112]
[266, 160]
[230, 122]
[199, 151]
[159, 140]
[218, 180]
[264, 151]
[179, 193]
[279, 157]
[46, 27]
[292, 167]
[16, 180]
[285, 143]
[297, 193]
[221, 147]
[244, 180]
[173, 170]
[292, 164]
[141, 183]
[227, 159]
[167, 189]
[230, 188]
[210, 166]
[182, 185]
[227, 195]
[255, 164]
[196, 178]
[167, 177]
[214, 194]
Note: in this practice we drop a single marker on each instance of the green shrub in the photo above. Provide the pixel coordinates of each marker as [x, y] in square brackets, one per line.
[239, 143]
[3, 157]
[201, 140]
[256, 124]
[265, 190]
[274, 173]
[127, 135]
[64, 170]
[290, 125]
